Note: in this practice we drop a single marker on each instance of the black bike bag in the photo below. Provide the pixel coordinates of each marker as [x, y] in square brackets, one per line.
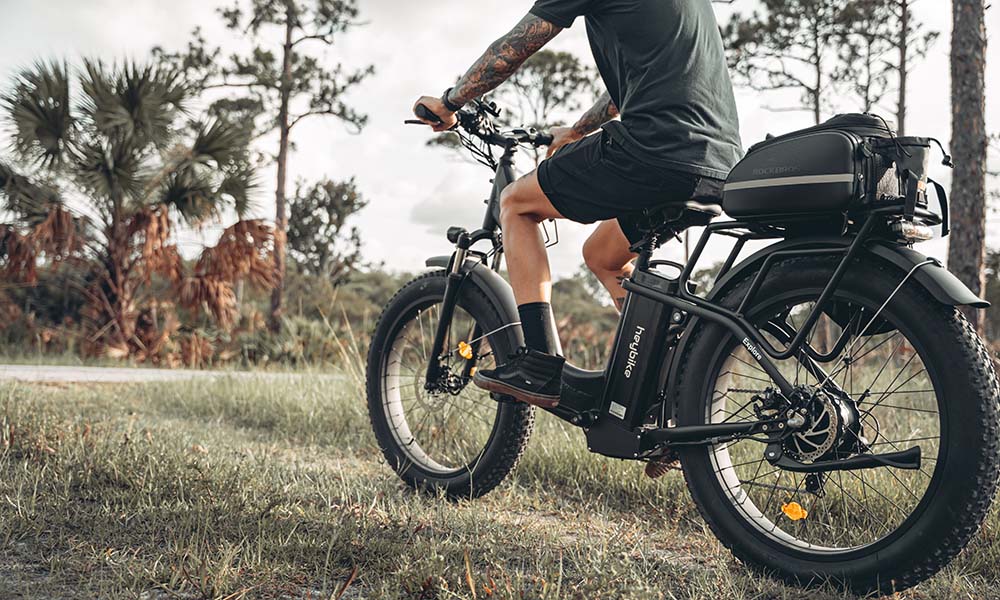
[817, 171]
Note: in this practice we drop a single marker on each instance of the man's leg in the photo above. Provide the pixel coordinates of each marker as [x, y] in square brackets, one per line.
[533, 375]
[523, 206]
[608, 257]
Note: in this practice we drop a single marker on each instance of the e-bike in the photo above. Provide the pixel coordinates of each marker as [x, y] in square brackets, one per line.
[835, 415]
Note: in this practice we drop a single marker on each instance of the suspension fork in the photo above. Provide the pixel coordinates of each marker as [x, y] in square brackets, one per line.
[476, 341]
[452, 287]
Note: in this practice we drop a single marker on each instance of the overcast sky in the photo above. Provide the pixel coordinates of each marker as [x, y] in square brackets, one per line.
[417, 47]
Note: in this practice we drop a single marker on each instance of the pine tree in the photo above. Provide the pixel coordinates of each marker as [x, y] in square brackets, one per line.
[969, 143]
[281, 84]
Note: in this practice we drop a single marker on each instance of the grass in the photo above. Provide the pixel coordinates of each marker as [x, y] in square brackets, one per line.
[274, 489]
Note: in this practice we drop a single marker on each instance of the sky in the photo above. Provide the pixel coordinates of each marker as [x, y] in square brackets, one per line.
[418, 48]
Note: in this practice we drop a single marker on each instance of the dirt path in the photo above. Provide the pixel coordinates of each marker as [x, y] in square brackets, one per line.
[75, 374]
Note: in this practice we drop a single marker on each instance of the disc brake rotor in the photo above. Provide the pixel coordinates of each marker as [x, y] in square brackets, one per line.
[822, 433]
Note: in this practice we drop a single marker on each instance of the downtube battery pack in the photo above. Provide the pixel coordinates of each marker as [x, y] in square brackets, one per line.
[633, 377]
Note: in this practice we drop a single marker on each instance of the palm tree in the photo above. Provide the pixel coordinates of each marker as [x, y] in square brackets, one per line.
[125, 144]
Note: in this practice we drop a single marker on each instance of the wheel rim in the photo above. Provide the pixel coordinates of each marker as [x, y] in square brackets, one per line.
[441, 433]
[901, 409]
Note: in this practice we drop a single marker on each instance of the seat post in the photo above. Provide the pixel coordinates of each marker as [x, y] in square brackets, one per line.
[652, 243]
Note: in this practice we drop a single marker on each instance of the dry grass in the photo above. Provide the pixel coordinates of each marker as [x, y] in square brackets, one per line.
[274, 489]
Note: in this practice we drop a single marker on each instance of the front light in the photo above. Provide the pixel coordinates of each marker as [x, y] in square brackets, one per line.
[912, 232]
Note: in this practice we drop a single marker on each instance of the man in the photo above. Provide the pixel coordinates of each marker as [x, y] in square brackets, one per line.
[664, 67]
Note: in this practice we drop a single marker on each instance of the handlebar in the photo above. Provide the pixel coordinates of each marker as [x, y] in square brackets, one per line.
[478, 121]
[425, 113]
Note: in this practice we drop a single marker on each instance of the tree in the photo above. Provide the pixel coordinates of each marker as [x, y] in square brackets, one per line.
[967, 244]
[319, 241]
[787, 47]
[879, 42]
[282, 85]
[547, 88]
[128, 148]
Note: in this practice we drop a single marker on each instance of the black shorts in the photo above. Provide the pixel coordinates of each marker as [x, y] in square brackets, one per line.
[595, 179]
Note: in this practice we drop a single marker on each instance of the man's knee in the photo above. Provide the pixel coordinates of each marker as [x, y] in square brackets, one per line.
[524, 198]
[513, 203]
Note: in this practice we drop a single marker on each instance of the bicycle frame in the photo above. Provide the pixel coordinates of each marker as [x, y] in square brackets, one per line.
[614, 417]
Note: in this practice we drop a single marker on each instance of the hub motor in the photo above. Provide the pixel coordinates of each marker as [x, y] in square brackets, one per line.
[832, 428]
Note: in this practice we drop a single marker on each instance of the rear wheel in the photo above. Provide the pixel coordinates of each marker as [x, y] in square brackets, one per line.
[917, 376]
[451, 436]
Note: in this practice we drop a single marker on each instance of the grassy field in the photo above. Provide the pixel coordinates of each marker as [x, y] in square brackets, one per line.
[239, 488]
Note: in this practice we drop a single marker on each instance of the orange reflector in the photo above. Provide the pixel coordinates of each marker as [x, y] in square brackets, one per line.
[465, 350]
[472, 371]
[794, 511]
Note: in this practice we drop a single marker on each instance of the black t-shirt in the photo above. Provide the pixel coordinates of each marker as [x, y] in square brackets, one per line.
[664, 65]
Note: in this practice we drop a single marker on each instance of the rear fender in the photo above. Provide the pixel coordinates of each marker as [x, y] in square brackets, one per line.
[496, 289]
[939, 282]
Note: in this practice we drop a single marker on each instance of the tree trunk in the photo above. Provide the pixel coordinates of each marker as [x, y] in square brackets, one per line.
[967, 247]
[280, 214]
[904, 66]
[818, 65]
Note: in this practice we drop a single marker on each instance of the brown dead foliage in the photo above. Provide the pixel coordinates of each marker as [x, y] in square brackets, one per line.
[196, 350]
[243, 252]
[55, 237]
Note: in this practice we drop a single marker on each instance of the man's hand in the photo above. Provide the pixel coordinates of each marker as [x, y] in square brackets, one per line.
[560, 137]
[436, 106]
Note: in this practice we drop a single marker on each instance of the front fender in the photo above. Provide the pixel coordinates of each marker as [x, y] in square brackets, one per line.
[496, 289]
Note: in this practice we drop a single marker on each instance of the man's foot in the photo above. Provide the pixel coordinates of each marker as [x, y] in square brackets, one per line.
[529, 376]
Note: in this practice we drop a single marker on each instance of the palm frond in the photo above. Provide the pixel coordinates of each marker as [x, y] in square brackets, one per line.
[238, 186]
[39, 109]
[112, 171]
[220, 141]
[133, 102]
[30, 202]
[191, 194]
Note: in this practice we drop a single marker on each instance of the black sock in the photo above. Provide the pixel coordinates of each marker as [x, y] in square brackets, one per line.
[539, 328]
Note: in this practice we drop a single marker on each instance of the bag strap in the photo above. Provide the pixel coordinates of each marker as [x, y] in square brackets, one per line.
[912, 195]
[945, 211]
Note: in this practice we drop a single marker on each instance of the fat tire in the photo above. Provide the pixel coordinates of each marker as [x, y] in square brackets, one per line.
[967, 484]
[514, 421]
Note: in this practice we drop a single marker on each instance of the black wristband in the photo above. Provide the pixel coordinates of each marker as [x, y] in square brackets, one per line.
[447, 103]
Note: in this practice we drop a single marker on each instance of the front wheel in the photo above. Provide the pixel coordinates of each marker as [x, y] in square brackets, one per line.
[915, 376]
[450, 436]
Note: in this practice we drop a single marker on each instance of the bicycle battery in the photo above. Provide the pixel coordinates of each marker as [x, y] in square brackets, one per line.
[639, 349]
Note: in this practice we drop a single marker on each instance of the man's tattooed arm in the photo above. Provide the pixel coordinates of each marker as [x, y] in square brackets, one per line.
[601, 113]
[503, 58]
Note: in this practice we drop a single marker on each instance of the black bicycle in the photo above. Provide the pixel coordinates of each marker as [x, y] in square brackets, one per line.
[834, 413]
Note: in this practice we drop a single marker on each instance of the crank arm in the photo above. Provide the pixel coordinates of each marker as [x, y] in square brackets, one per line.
[905, 459]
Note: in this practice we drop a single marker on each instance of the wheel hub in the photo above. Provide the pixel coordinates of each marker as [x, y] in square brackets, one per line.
[832, 427]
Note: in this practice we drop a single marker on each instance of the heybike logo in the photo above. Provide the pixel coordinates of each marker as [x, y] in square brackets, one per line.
[752, 349]
[633, 350]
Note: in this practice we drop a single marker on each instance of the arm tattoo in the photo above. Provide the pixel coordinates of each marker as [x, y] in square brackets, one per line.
[503, 58]
[601, 113]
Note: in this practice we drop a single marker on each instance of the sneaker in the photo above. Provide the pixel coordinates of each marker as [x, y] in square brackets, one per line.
[529, 376]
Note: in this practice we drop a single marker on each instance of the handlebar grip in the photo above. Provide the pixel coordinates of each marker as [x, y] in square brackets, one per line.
[425, 113]
[544, 139]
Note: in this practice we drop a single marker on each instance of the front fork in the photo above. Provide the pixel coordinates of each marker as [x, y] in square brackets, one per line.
[452, 287]
[456, 275]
